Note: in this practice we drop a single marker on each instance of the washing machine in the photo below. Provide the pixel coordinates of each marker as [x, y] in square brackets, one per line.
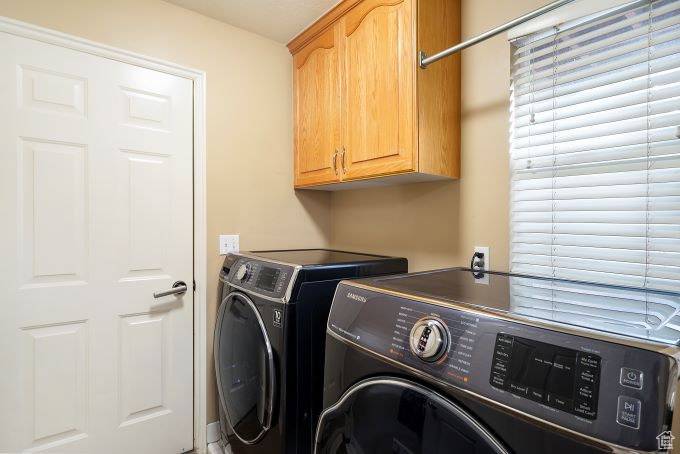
[450, 361]
[269, 342]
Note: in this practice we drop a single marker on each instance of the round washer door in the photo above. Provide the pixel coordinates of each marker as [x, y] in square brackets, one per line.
[244, 362]
[392, 415]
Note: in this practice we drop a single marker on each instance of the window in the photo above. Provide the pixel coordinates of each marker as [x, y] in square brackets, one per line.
[595, 149]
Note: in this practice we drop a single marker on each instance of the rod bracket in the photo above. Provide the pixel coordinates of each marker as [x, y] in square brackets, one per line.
[421, 59]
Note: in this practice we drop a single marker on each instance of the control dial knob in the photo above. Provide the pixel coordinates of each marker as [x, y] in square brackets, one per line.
[429, 339]
[243, 273]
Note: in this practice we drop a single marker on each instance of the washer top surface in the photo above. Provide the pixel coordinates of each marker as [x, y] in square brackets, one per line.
[634, 312]
[315, 257]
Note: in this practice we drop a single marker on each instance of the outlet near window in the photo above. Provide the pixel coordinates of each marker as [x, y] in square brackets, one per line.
[487, 259]
[483, 278]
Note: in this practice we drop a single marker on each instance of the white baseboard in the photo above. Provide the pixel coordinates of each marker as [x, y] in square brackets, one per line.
[213, 432]
[215, 448]
[214, 436]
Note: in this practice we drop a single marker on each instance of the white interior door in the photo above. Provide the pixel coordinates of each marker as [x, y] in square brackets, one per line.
[96, 203]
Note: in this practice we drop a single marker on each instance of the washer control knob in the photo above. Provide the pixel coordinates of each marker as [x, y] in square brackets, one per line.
[429, 339]
[243, 273]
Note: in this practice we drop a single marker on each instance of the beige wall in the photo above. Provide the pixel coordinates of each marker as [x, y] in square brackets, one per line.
[438, 224]
[249, 122]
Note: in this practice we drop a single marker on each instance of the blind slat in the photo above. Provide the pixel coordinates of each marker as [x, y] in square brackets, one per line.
[561, 132]
[557, 217]
[664, 72]
[563, 80]
[525, 160]
[662, 258]
[615, 108]
[640, 204]
[660, 245]
[604, 179]
[623, 191]
[600, 228]
[595, 142]
[611, 51]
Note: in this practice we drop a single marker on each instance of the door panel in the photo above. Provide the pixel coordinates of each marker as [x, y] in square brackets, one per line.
[141, 348]
[57, 362]
[378, 89]
[145, 109]
[53, 202]
[317, 111]
[144, 190]
[42, 89]
[96, 189]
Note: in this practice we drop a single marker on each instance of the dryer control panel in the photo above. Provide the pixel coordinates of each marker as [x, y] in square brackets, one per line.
[605, 390]
[264, 278]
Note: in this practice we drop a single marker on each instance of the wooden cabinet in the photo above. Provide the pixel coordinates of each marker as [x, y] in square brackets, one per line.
[317, 110]
[377, 96]
[363, 109]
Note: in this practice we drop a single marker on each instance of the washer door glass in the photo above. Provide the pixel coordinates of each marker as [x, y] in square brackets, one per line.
[244, 363]
[391, 415]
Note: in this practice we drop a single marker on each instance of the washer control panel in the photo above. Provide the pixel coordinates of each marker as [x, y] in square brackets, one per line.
[558, 377]
[589, 386]
[265, 278]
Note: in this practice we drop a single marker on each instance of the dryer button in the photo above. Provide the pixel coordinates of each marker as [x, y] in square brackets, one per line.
[628, 412]
[631, 378]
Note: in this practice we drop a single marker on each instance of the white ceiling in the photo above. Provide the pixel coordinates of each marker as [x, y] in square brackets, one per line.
[280, 20]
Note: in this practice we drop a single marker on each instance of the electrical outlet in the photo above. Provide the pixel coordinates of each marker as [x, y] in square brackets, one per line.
[487, 264]
[487, 258]
[228, 243]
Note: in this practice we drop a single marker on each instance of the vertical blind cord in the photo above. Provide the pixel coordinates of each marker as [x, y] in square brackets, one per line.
[649, 161]
[554, 164]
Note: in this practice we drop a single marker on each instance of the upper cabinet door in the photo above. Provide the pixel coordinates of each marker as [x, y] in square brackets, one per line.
[317, 111]
[378, 95]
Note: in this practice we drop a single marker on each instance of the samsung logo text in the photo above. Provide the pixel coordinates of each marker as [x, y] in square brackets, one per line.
[354, 296]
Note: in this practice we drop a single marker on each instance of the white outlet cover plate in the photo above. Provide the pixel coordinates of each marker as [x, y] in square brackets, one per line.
[487, 258]
[487, 264]
[229, 243]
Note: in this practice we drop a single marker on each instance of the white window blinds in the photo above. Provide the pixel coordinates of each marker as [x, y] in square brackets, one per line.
[595, 148]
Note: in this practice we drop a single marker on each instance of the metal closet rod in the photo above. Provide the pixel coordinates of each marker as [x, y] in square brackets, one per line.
[424, 60]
